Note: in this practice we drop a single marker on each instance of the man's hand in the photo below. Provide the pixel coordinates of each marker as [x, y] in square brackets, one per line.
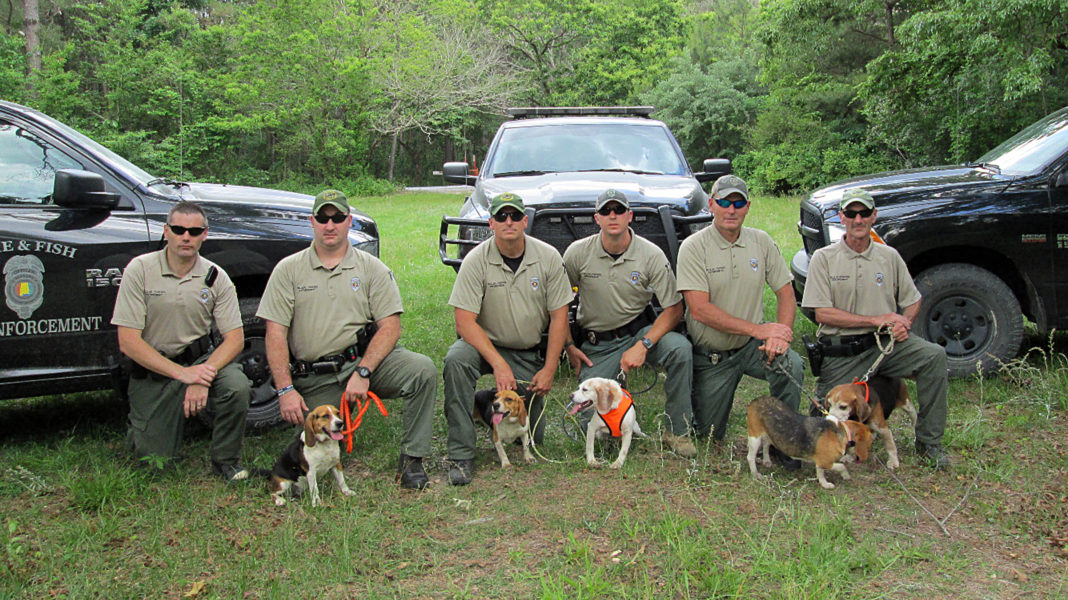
[293, 407]
[355, 388]
[542, 382]
[633, 358]
[766, 331]
[504, 377]
[899, 325]
[202, 374]
[775, 346]
[577, 358]
[196, 398]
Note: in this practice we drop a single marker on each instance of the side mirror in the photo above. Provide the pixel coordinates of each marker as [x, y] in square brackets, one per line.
[82, 189]
[457, 172]
[714, 168]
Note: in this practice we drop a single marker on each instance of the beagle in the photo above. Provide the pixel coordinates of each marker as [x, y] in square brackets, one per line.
[506, 413]
[821, 440]
[615, 415]
[872, 404]
[314, 452]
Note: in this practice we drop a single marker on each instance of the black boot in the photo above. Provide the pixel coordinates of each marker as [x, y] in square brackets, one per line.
[780, 458]
[461, 471]
[412, 475]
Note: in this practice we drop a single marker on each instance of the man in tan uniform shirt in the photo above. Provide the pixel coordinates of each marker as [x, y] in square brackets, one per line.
[722, 271]
[508, 290]
[333, 320]
[855, 286]
[164, 310]
[617, 272]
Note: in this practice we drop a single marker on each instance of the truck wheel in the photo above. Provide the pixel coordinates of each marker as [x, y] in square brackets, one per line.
[263, 405]
[972, 314]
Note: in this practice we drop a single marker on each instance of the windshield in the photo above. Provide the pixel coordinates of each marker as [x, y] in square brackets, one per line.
[586, 147]
[1034, 148]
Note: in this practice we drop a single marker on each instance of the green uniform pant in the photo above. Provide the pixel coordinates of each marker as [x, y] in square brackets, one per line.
[157, 416]
[463, 366]
[714, 384]
[915, 357]
[402, 374]
[673, 352]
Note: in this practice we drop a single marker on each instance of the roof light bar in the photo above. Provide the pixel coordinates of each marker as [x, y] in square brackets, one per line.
[574, 111]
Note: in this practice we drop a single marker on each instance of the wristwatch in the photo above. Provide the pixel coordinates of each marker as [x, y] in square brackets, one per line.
[648, 343]
[363, 371]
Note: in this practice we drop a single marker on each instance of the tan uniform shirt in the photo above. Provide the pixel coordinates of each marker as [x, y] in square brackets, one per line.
[325, 308]
[734, 276]
[513, 309]
[873, 282]
[173, 312]
[613, 292]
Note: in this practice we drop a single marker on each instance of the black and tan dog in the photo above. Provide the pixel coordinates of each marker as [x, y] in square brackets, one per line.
[872, 404]
[314, 452]
[821, 440]
[506, 413]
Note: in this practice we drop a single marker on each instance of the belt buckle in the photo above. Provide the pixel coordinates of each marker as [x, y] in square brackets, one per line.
[713, 357]
[592, 337]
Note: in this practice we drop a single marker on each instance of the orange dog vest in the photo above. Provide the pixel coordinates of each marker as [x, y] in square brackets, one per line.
[613, 418]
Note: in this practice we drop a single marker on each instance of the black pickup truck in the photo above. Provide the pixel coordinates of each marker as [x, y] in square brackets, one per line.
[73, 214]
[986, 242]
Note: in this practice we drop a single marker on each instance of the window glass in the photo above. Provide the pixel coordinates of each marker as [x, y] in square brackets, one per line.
[28, 166]
[586, 147]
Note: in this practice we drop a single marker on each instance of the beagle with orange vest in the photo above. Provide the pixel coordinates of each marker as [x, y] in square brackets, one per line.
[506, 413]
[871, 404]
[314, 452]
[821, 440]
[616, 415]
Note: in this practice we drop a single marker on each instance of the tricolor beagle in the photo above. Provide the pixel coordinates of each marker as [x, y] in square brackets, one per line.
[314, 452]
[872, 404]
[821, 440]
[506, 413]
[615, 415]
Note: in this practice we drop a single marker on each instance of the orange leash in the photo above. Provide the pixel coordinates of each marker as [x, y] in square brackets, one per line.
[352, 424]
[867, 390]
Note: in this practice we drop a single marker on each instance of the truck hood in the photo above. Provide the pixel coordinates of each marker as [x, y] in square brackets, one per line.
[931, 186]
[246, 199]
[567, 190]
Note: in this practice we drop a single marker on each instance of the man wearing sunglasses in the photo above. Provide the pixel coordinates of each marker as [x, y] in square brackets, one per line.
[617, 272]
[722, 272]
[164, 311]
[332, 314]
[509, 289]
[855, 287]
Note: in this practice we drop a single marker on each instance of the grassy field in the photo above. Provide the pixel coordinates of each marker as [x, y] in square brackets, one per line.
[79, 522]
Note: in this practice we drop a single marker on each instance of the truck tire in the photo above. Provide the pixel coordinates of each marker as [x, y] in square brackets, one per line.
[971, 313]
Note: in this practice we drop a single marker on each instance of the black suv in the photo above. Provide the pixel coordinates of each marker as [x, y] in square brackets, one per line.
[986, 242]
[73, 214]
[558, 159]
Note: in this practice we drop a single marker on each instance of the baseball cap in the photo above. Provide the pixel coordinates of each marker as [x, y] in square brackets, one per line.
[730, 184]
[506, 199]
[333, 198]
[611, 195]
[857, 195]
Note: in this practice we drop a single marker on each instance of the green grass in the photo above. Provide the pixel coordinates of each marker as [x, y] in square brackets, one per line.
[80, 521]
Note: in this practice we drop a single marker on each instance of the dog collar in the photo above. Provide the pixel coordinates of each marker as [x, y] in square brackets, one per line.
[867, 390]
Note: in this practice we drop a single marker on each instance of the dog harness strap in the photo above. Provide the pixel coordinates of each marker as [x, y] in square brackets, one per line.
[614, 418]
[867, 390]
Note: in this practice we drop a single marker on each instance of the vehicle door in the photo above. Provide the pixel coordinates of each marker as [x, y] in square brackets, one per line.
[1058, 196]
[60, 266]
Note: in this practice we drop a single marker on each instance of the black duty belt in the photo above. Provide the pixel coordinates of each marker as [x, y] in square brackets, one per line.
[846, 345]
[199, 347]
[334, 362]
[596, 337]
[718, 356]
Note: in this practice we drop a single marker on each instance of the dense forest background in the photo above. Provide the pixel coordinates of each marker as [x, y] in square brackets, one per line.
[361, 93]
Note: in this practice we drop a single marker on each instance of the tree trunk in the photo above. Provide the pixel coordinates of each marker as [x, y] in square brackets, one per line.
[30, 25]
[393, 155]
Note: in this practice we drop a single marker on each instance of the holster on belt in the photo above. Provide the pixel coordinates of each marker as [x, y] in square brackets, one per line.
[191, 354]
[815, 356]
[334, 362]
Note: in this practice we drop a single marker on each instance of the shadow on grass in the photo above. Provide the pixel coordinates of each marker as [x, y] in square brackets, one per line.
[50, 418]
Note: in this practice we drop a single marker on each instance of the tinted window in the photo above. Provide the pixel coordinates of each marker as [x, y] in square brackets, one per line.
[28, 166]
[1034, 148]
[592, 147]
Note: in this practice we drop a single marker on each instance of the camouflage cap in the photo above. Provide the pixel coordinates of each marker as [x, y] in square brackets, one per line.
[506, 199]
[857, 195]
[611, 195]
[730, 184]
[333, 198]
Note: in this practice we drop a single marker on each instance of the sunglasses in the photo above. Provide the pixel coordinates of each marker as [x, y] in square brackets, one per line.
[724, 203]
[618, 209]
[179, 230]
[504, 215]
[852, 214]
[336, 217]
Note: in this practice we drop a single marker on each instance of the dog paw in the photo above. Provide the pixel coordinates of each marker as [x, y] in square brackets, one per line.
[848, 458]
[279, 501]
[348, 492]
[529, 460]
[315, 502]
[892, 463]
[758, 476]
[616, 465]
[845, 474]
[827, 485]
[766, 463]
[593, 464]
[506, 465]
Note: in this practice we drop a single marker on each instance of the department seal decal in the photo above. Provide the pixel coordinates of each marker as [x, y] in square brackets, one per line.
[24, 284]
[879, 279]
[535, 283]
[205, 295]
[635, 278]
[754, 264]
[355, 284]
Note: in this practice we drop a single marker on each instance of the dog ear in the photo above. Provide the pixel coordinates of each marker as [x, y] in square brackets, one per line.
[604, 396]
[861, 405]
[309, 428]
[861, 438]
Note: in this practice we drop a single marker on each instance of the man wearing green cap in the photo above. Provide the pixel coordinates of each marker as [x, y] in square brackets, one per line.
[617, 273]
[509, 289]
[333, 320]
[855, 287]
[722, 272]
